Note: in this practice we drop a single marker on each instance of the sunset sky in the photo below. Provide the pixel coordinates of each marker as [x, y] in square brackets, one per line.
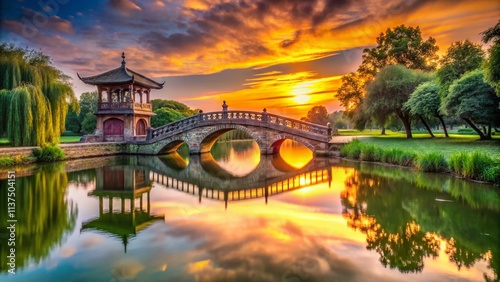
[285, 55]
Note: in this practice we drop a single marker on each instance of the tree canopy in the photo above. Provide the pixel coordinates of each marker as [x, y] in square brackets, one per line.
[317, 114]
[474, 101]
[168, 111]
[426, 102]
[401, 45]
[390, 90]
[35, 97]
[85, 121]
[461, 57]
[492, 64]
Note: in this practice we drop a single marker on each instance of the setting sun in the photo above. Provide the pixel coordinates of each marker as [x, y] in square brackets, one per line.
[301, 91]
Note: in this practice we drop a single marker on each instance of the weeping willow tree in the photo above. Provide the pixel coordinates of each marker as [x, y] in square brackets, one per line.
[34, 97]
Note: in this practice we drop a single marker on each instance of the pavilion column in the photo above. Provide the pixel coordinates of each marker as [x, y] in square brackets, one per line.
[140, 203]
[123, 205]
[109, 95]
[140, 95]
[149, 202]
[100, 206]
[147, 93]
[110, 201]
[132, 209]
[99, 96]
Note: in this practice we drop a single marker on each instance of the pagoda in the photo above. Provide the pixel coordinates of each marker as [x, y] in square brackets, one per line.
[123, 110]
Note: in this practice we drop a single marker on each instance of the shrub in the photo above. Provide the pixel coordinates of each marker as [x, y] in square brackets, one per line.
[407, 158]
[367, 153]
[457, 162]
[351, 150]
[391, 156]
[492, 174]
[432, 162]
[16, 160]
[6, 161]
[50, 153]
[476, 164]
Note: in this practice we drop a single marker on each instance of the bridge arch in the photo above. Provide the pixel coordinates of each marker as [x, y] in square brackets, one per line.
[210, 137]
[278, 139]
[169, 145]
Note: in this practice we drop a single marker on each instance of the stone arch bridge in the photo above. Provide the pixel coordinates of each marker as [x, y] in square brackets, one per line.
[201, 131]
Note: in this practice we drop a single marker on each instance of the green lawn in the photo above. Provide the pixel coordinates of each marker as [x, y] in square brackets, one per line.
[422, 143]
[64, 139]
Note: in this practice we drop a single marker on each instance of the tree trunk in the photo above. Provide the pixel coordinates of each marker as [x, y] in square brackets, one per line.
[406, 122]
[481, 135]
[489, 131]
[440, 117]
[426, 126]
[383, 130]
[485, 130]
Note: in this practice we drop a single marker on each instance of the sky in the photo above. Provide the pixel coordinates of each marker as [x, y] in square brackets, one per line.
[284, 55]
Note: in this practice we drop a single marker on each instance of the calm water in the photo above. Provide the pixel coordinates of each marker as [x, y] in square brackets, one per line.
[235, 215]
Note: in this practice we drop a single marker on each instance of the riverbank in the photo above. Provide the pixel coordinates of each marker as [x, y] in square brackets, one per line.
[21, 156]
[468, 164]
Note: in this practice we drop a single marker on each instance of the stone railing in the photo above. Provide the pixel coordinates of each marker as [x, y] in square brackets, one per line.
[123, 105]
[262, 119]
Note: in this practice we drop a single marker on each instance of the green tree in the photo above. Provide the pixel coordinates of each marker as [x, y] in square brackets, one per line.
[425, 103]
[35, 99]
[164, 116]
[473, 100]
[492, 64]
[389, 92]
[401, 45]
[89, 123]
[88, 104]
[174, 105]
[350, 95]
[84, 121]
[72, 122]
[461, 57]
[317, 114]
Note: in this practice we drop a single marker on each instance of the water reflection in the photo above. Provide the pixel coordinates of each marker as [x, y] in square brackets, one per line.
[131, 187]
[404, 225]
[44, 216]
[196, 218]
[295, 154]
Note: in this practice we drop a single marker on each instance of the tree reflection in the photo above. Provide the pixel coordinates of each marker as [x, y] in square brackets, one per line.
[43, 215]
[404, 224]
[390, 232]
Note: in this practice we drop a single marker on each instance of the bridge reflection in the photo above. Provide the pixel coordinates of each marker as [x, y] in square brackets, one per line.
[203, 177]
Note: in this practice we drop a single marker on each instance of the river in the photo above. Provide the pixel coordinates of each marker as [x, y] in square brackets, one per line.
[236, 215]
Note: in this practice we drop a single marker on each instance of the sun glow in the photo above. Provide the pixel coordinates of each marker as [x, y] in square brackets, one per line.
[302, 91]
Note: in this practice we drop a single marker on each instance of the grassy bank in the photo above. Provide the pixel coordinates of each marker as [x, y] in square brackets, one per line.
[45, 154]
[471, 162]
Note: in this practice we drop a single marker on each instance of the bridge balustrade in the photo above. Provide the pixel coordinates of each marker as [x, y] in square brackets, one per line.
[247, 117]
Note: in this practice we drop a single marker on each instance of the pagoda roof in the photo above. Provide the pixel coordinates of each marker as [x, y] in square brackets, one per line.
[121, 75]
